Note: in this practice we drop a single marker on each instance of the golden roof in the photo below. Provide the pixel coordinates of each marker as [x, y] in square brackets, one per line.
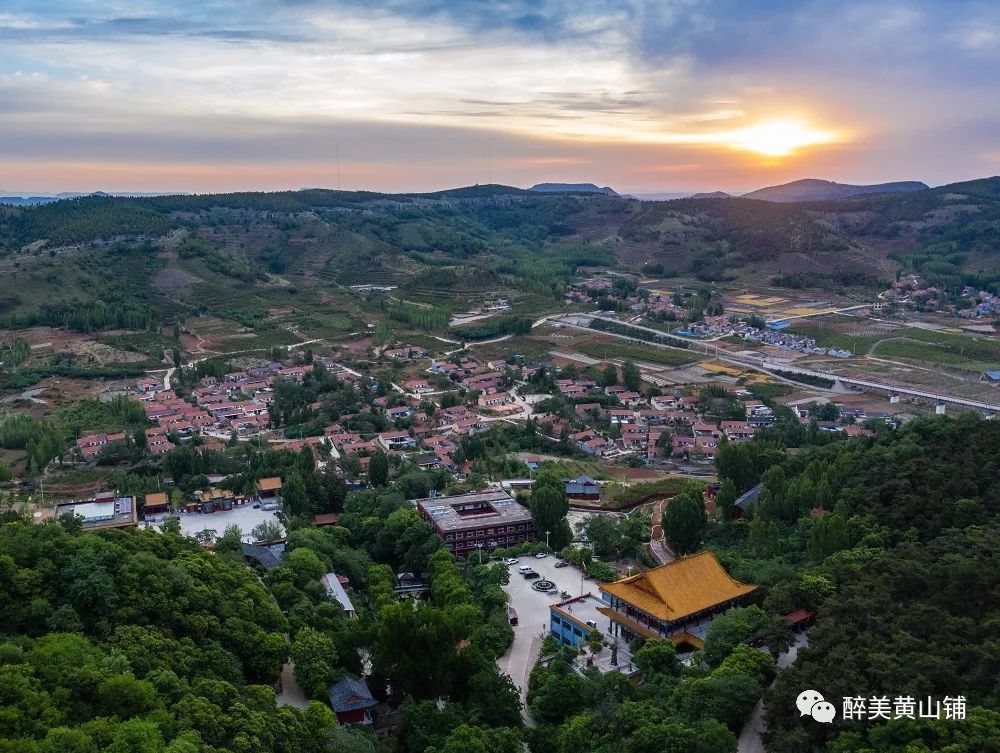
[679, 589]
[156, 498]
[269, 484]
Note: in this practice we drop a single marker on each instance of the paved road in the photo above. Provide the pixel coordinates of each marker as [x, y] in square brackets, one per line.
[291, 694]
[533, 614]
[750, 736]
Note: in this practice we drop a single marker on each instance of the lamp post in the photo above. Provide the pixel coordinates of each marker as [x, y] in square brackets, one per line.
[547, 539]
[479, 546]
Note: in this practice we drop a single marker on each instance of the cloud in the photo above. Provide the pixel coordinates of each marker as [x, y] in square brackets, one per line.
[557, 85]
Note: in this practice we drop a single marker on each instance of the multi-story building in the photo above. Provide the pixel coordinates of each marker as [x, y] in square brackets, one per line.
[676, 601]
[477, 521]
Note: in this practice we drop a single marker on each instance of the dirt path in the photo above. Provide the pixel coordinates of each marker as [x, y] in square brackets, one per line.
[657, 546]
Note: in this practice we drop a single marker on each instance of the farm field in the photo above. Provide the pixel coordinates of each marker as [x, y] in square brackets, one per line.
[605, 347]
[912, 343]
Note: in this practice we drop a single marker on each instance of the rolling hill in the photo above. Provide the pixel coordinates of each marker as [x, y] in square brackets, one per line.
[814, 189]
[240, 255]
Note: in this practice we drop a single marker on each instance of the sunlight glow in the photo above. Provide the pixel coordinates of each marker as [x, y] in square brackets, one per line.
[778, 138]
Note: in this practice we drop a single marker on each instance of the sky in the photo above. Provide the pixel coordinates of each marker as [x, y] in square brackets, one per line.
[400, 95]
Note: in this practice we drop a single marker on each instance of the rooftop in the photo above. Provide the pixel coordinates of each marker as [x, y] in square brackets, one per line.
[470, 510]
[106, 511]
[679, 589]
[349, 694]
[334, 589]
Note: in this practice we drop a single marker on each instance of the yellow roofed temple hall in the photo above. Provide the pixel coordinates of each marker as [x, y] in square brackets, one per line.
[675, 601]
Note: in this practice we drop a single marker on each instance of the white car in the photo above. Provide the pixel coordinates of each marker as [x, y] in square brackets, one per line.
[541, 555]
[525, 569]
[510, 561]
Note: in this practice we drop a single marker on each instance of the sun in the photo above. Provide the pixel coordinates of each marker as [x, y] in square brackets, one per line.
[777, 138]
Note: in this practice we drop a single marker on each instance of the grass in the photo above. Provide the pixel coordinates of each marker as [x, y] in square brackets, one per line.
[152, 344]
[622, 496]
[638, 352]
[910, 342]
[826, 337]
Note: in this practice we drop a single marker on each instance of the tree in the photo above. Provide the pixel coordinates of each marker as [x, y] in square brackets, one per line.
[609, 377]
[725, 498]
[656, 657]
[828, 535]
[631, 377]
[684, 522]
[729, 630]
[206, 535]
[230, 543]
[268, 530]
[294, 499]
[314, 659]
[378, 469]
[595, 641]
[548, 511]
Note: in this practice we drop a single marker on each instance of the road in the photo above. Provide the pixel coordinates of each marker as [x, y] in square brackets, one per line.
[750, 736]
[533, 615]
[771, 367]
[657, 546]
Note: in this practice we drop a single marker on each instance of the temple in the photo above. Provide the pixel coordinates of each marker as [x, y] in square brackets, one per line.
[676, 601]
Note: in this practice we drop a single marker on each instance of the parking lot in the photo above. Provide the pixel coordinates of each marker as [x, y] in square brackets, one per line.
[533, 612]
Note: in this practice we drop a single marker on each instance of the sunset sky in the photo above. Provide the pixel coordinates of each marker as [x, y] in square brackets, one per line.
[211, 95]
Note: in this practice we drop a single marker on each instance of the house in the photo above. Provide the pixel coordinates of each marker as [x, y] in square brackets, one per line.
[213, 500]
[746, 499]
[582, 487]
[597, 446]
[91, 444]
[494, 399]
[266, 556]
[399, 411]
[676, 601]
[269, 488]
[105, 510]
[419, 386]
[396, 440]
[155, 504]
[351, 701]
[334, 585]
[621, 415]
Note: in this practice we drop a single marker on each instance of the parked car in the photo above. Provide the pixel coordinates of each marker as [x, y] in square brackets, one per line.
[525, 569]
[512, 615]
[565, 594]
[531, 575]
[541, 555]
[562, 563]
[510, 561]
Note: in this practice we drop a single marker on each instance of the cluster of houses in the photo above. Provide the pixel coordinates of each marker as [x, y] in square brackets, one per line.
[980, 303]
[651, 427]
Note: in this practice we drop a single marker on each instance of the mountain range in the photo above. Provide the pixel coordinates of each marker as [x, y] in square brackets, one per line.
[814, 189]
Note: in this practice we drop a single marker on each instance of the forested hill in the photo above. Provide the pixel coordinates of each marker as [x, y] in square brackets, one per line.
[494, 237]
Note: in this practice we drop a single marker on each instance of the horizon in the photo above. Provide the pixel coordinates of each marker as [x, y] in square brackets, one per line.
[425, 95]
[139, 192]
